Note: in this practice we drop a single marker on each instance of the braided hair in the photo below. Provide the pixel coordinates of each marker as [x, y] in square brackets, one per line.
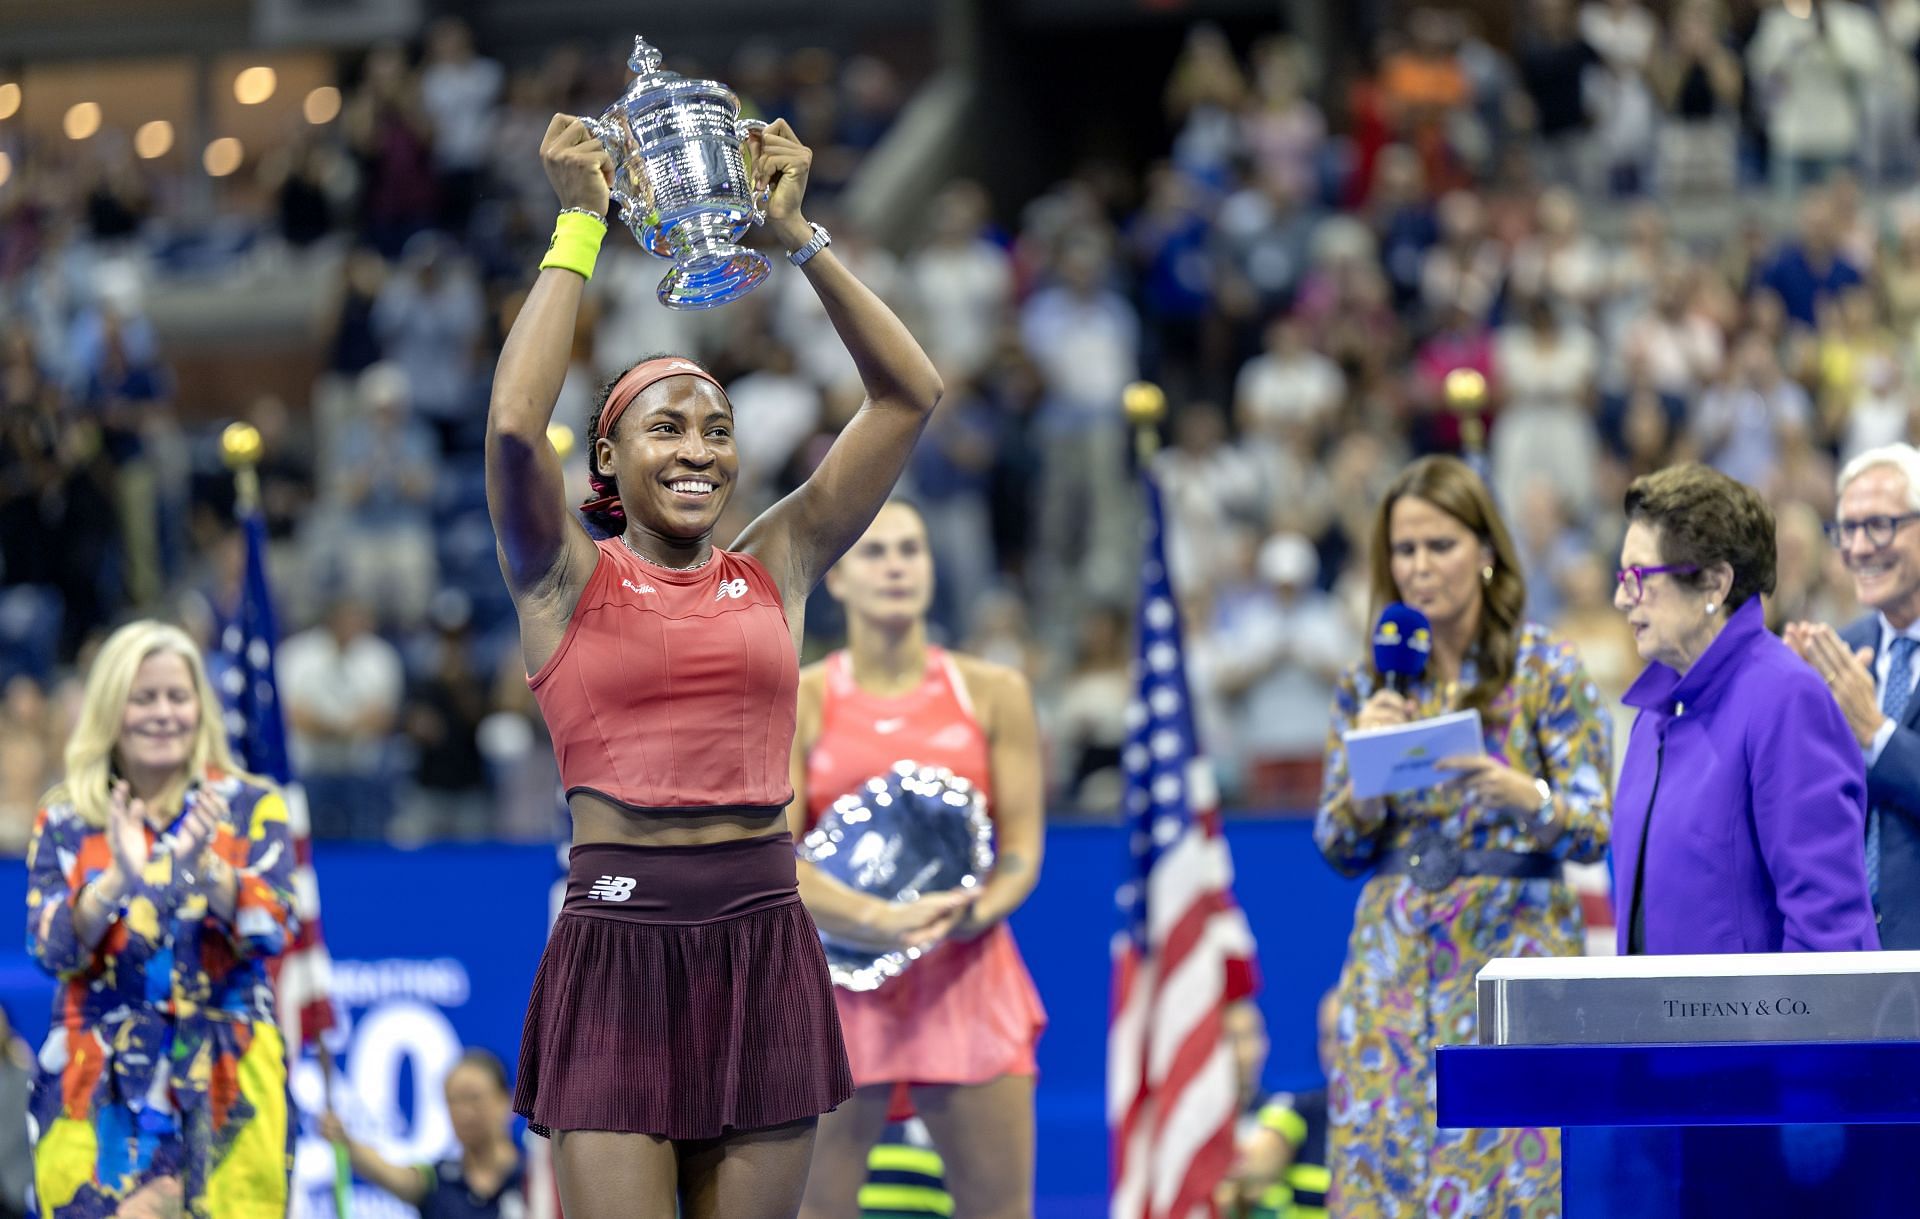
[603, 512]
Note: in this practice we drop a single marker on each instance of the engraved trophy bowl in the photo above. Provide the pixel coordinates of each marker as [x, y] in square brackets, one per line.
[912, 831]
[682, 175]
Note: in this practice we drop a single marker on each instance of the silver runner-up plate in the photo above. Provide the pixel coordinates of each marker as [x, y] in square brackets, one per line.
[899, 836]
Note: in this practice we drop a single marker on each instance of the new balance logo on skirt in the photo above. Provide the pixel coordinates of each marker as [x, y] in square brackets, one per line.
[612, 889]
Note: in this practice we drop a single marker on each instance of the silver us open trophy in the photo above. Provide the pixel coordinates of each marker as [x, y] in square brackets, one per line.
[913, 831]
[681, 174]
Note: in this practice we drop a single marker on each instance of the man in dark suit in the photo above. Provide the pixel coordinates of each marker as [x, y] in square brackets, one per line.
[1871, 667]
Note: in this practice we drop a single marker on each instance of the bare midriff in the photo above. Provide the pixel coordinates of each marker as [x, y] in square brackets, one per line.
[598, 819]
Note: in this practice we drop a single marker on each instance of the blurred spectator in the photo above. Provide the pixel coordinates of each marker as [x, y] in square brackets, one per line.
[1680, 348]
[343, 687]
[1204, 96]
[486, 1180]
[1621, 32]
[1810, 63]
[1741, 423]
[1085, 339]
[444, 708]
[1282, 130]
[389, 134]
[1089, 720]
[1279, 645]
[1465, 270]
[459, 90]
[30, 763]
[1553, 61]
[429, 318]
[380, 488]
[1428, 96]
[950, 479]
[1290, 386]
[781, 407]
[1699, 82]
[962, 282]
[1808, 272]
[1561, 260]
[1546, 370]
[1207, 486]
[1851, 340]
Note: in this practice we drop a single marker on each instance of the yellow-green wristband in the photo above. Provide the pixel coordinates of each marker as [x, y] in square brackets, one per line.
[575, 246]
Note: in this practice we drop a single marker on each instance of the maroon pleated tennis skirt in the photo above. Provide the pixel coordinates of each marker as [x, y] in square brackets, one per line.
[683, 994]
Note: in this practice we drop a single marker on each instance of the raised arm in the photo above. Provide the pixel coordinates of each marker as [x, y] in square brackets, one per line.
[540, 541]
[801, 536]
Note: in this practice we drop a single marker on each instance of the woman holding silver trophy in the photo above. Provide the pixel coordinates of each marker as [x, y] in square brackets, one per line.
[954, 1030]
[681, 1039]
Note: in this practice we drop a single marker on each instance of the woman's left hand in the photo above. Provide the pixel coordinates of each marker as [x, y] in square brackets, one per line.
[781, 164]
[1493, 783]
[190, 841]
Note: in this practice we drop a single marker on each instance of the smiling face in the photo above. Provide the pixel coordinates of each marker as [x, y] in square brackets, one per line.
[1436, 563]
[887, 577]
[672, 455]
[1885, 578]
[161, 717]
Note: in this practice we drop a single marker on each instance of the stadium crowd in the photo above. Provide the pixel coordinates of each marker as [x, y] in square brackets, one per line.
[1627, 239]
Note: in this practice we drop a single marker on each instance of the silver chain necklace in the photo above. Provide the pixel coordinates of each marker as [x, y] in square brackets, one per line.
[657, 563]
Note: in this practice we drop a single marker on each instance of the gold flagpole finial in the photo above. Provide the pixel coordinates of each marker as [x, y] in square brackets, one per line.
[240, 448]
[1146, 405]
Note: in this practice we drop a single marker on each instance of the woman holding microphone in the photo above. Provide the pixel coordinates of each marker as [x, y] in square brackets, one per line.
[1459, 873]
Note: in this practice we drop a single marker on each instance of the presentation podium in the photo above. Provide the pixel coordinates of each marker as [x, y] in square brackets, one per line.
[1751, 1086]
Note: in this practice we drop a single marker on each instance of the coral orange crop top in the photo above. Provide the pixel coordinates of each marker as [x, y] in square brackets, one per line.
[674, 691]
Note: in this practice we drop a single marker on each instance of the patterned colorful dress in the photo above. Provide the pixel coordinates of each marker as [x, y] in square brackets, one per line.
[1408, 983]
[164, 1060]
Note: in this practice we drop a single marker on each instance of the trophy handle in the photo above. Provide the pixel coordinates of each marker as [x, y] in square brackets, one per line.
[612, 138]
[744, 130]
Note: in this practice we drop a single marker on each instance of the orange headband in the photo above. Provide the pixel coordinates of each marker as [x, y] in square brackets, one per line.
[636, 379]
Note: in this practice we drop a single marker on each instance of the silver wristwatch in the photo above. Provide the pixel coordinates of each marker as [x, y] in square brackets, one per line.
[1544, 816]
[821, 240]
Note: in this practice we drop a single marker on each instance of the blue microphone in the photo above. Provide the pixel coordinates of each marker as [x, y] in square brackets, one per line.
[1402, 642]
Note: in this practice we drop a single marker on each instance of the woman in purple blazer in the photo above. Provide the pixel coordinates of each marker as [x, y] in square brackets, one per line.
[1739, 819]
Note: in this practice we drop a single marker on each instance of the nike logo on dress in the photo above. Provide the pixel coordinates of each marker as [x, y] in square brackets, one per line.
[887, 726]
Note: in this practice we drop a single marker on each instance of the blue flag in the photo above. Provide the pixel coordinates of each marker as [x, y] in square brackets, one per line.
[245, 676]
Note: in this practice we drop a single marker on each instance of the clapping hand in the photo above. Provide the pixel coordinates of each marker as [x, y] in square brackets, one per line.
[1847, 672]
[189, 840]
[127, 831]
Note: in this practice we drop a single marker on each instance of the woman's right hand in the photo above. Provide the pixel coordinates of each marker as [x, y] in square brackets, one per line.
[331, 1129]
[126, 832]
[1384, 710]
[920, 923]
[578, 165]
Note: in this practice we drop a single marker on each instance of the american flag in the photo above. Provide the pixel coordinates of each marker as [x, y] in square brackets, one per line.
[1186, 951]
[257, 727]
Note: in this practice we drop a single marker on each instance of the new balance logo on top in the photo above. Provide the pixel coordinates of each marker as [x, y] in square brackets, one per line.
[735, 588]
[639, 588]
[612, 889]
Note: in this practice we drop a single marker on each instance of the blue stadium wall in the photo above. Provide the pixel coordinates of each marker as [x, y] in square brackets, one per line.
[436, 948]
